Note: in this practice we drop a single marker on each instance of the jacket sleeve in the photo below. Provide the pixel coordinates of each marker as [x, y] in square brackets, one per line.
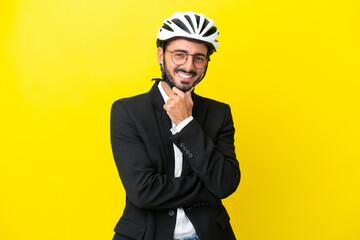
[144, 186]
[214, 161]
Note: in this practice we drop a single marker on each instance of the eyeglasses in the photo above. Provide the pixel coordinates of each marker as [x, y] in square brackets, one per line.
[179, 57]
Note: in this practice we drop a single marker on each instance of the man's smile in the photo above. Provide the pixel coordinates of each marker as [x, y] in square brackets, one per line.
[184, 75]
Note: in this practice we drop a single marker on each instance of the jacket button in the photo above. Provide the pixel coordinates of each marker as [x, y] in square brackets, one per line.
[171, 213]
[187, 151]
[185, 148]
[191, 155]
[182, 145]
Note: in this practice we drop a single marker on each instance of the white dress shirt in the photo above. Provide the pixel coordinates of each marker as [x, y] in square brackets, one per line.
[183, 226]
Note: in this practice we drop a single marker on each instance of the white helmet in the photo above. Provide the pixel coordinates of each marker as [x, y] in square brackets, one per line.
[189, 25]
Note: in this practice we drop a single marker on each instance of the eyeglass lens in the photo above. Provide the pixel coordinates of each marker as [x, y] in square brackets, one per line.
[180, 57]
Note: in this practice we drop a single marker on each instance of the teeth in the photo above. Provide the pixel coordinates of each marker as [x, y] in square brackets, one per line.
[183, 75]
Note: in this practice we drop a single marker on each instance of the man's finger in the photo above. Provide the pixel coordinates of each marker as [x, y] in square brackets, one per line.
[189, 91]
[169, 101]
[173, 96]
[188, 94]
[177, 91]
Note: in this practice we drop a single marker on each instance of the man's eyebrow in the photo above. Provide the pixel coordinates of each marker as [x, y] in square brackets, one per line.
[184, 51]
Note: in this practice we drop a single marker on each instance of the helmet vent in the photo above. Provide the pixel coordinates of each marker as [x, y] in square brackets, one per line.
[206, 22]
[181, 25]
[167, 27]
[197, 20]
[190, 22]
[210, 32]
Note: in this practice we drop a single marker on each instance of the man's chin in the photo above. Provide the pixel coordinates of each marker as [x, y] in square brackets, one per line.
[185, 86]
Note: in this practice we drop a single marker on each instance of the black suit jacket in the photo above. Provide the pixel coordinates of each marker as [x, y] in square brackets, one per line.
[142, 148]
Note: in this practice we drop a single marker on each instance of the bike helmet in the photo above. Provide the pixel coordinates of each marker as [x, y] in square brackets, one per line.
[189, 25]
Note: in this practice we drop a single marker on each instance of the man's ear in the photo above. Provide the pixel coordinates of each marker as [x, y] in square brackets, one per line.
[160, 55]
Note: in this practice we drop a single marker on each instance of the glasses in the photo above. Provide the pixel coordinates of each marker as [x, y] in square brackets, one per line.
[180, 57]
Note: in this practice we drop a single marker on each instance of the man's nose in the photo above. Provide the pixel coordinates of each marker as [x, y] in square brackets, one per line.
[189, 64]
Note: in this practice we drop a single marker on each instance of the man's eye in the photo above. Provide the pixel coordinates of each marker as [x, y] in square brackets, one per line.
[199, 59]
[180, 55]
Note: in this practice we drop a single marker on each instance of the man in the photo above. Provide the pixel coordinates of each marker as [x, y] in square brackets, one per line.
[174, 149]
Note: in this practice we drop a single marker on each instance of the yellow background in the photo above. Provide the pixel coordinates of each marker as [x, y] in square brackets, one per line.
[289, 69]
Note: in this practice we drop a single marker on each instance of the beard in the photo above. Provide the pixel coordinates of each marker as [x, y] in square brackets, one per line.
[186, 86]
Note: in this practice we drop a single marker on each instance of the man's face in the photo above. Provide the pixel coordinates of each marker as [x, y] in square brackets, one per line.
[183, 76]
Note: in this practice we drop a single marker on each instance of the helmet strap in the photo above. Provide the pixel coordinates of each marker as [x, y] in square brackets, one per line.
[202, 77]
[163, 71]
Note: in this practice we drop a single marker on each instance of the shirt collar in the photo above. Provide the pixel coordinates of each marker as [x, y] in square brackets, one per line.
[163, 93]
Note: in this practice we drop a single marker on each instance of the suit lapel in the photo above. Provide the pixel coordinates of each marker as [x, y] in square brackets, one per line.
[162, 125]
[199, 113]
[199, 109]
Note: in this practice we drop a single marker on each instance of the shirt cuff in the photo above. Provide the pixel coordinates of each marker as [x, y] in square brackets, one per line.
[177, 128]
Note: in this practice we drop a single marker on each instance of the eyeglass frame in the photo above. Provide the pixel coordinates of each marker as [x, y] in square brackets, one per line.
[207, 58]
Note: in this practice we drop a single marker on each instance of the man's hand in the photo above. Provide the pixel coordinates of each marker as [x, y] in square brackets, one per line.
[179, 106]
